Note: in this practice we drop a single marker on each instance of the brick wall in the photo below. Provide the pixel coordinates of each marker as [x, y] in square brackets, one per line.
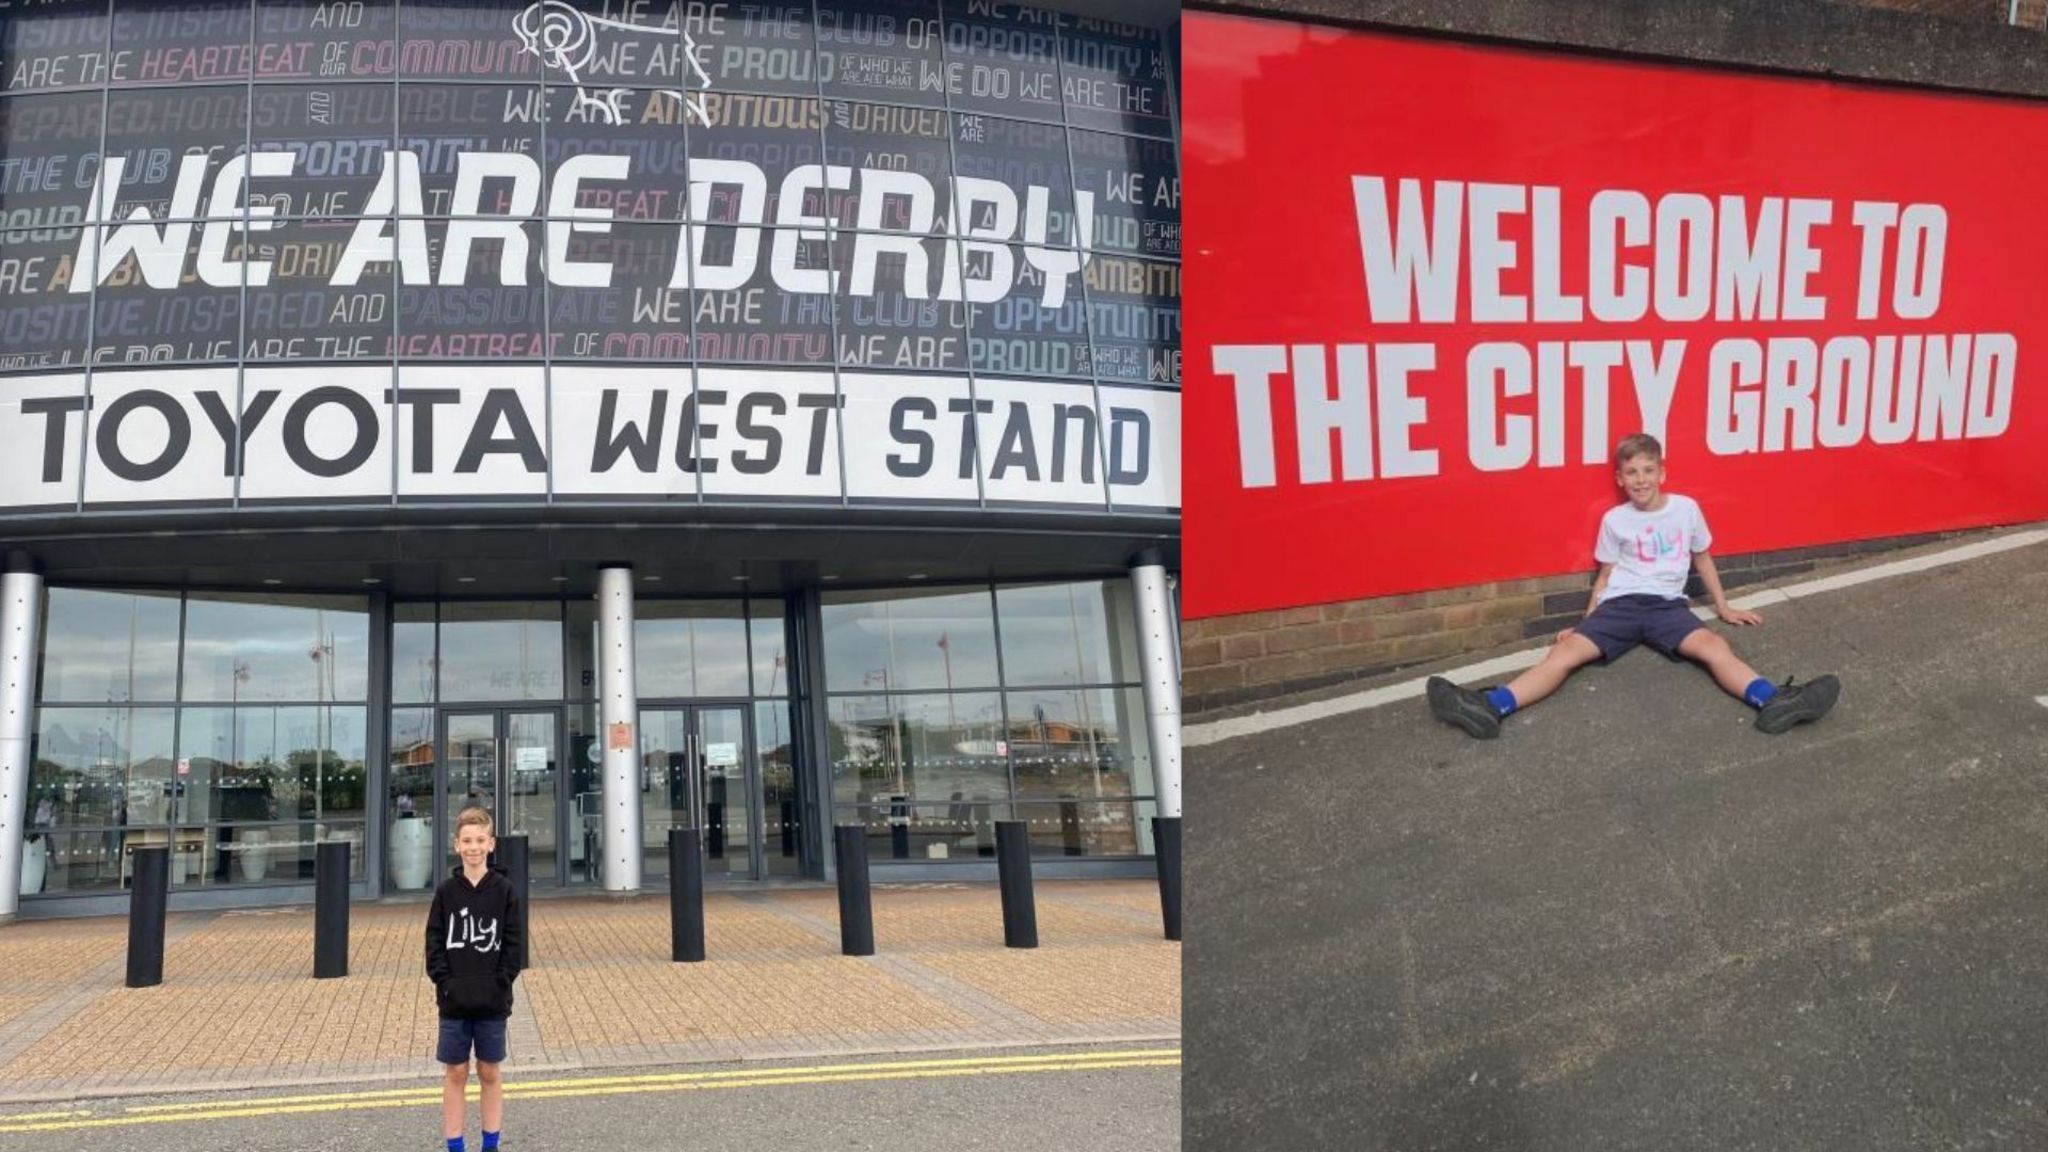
[1229, 660]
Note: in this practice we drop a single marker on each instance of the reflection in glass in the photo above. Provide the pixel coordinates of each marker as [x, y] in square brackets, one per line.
[891, 640]
[245, 646]
[1090, 744]
[110, 646]
[412, 653]
[927, 747]
[963, 829]
[666, 784]
[501, 651]
[781, 804]
[410, 811]
[1079, 633]
[690, 648]
[770, 647]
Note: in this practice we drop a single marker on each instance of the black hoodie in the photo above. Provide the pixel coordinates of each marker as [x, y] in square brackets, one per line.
[474, 937]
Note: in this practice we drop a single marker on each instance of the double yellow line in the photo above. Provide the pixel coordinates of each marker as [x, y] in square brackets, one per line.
[599, 1086]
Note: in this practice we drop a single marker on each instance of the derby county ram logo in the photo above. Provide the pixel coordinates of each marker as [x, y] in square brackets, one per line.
[566, 39]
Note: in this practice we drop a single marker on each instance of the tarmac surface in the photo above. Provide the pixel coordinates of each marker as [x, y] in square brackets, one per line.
[1633, 922]
[239, 1010]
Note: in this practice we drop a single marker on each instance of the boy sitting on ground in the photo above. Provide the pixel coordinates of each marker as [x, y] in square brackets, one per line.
[1645, 548]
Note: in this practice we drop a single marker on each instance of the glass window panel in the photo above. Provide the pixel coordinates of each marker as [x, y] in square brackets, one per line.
[636, 316]
[1021, 155]
[501, 651]
[180, 42]
[1134, 315]
[664, 782]
[1136, 185]
[1090, 744]
[586, 794]
[905, 832]
[465, 39]
[775, 740]
[884, 50]
[582, 648]
[242, 647]
[74, 863]
[757, 321]
[42, 325]
[888, 141]
[59, 44]
[890, 314]
[410, 805]
[770, 648]
[650, 137]
[338, 135]
[102, 766]
[1080, 633]
[1087, 828]
[758, 141]
[1004, 59]
[486, 314]
[685, 648]
[301, 314]
[304, 39]
[110, 646]
[448, 125]
[158, 134]
[412, 653]
[1114, 76]
[897, 639]
[136, 321]
[49, 145]
[933, 747]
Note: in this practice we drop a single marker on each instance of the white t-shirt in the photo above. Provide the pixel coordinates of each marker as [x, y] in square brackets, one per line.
[1651, 551]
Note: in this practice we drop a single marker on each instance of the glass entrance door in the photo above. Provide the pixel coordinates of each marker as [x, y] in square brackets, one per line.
[508, 761]
[697, 771]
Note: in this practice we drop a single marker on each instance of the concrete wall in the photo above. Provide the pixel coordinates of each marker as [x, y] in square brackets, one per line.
[1963, 45]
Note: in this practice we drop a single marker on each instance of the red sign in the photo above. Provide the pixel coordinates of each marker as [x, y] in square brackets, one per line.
[1433, 283]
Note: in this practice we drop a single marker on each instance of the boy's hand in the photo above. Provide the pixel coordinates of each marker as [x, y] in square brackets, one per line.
[1738, 616]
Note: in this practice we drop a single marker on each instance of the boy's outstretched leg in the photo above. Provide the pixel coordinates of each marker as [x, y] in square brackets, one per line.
[454, 1110]
[1479, 713]
[1778, 707]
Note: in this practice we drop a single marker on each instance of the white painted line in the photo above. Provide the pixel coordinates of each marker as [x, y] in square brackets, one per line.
[2042, 701]
[1217, 731]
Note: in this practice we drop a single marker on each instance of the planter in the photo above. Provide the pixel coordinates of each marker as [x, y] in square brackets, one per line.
[412, 853]
[253, 855]
[35, 861]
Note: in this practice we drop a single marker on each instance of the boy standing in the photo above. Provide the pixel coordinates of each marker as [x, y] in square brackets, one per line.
[1645, 548]
[474, 934]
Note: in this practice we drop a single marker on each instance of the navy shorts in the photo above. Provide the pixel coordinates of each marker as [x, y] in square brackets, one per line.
[1623, 622]
[458, 1035]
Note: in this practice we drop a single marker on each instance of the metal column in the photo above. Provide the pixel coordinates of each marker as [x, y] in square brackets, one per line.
[21, 605]
[618, 727]
[1159, 658]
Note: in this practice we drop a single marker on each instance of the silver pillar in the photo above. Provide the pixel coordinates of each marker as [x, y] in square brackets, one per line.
[1159, 661]
[618, 727]
[21, 600]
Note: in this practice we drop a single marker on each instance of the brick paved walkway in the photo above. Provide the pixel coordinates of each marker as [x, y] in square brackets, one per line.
[239, 1007]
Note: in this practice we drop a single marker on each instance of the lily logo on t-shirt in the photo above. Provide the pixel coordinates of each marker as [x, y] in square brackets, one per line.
[477, 933]
[1652, 546]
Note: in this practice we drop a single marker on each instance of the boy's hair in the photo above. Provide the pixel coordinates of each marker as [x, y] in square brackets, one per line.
[474, 815]
[1640, 444]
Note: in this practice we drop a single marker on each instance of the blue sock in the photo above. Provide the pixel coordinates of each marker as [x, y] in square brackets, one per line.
[1759, 692]
[490, 1141]
[1503, 701]
[455, 1144]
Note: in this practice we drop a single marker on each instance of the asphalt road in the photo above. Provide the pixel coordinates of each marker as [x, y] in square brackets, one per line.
[1633, 922]
[1112, 1098]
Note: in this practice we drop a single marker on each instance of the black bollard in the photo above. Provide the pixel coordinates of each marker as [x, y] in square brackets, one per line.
[148, 900]
[899, 828]
[856, 910]
[1070, 826]
[1166, 836]
[685, 895]
[513, 854]
[330, 910]
[1013, 869]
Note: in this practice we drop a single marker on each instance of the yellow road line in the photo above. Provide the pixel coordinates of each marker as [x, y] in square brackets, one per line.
[434, 1090]
[45, 1115]
[614, 1086]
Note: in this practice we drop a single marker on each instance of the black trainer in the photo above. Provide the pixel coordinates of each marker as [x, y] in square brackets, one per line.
[1463, 707]
[1798, 703]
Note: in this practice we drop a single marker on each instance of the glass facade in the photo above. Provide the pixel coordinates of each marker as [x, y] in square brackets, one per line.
[229, 727]
[951, 708]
